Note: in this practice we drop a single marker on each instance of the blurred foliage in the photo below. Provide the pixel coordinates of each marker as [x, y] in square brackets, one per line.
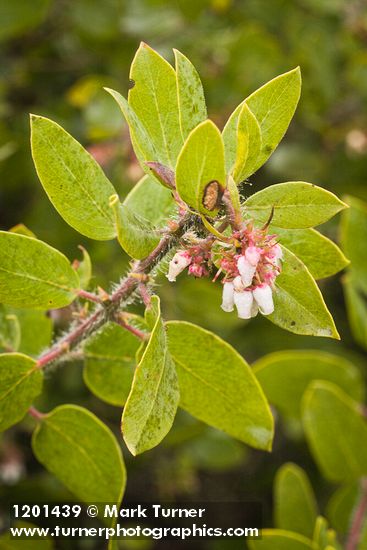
[55, 58]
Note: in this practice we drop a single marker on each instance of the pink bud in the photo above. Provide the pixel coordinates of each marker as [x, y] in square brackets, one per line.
[197, 270]
[264, 298]
[252, 255]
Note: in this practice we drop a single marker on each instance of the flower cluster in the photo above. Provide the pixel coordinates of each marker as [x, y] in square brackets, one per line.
[250, 260]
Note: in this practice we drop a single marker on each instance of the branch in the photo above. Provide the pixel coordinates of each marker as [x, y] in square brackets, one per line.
[107, 311]
[358, 519]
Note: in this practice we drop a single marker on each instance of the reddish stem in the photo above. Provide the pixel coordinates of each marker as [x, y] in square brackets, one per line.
[144, 293]
[139, 333]
[90, 296]
[127, 287]
[358, 519]
[32, 411]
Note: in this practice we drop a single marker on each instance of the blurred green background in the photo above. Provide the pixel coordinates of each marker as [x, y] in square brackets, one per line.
[55, 57]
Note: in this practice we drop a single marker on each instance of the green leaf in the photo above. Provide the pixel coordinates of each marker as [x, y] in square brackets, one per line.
[296, 204]
[341, 505]
[356, 302]
[324, 537]
[354, 238]
[135, 234]
[217, 385]
[153, 201]
[141, 141]
[285, 375]
[190, 93]
[84, 268]
[10, 333]
[109, 363]
[72, 179]
[154, 100]
[75, 446]
[322, 257]
[294, 501]
[201, 162]
[273, 106]
[234, 195]
[35, 328]
[22, 229]
[242, 153]
[299, 305]
[33, 274]
[278, 539]
[336, 431]
[152, 403]
[21, 382]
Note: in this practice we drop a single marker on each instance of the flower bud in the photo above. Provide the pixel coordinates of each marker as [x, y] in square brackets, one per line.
[244, 301]
[252, 255]
[264, 298]
[197, 270]
[247, 270]
[227, 297]
[178, 263]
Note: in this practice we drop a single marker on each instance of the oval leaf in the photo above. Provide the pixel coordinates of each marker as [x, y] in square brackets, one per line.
[154, 100]
[201, 162]
[33, 274]
[285, 375]
[342, 505]
[72, 179]
[75, 446]
[294, 501]
[142, 144]
[296, 204]
[273, 106]
[298, 303]
[153, 201]
[36, 330]
[109, 363]
[217, 385]
[190, 93]
[243, 147]
[322, 257]
[135, 234]
[21, 382]
[336, 431]
[152, 403]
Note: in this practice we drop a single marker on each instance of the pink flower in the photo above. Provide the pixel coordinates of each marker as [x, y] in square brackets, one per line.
[252, 255]
[197, 270]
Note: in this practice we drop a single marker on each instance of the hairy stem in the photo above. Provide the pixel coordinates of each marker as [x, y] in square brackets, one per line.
[358, 519]
[108, 310]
